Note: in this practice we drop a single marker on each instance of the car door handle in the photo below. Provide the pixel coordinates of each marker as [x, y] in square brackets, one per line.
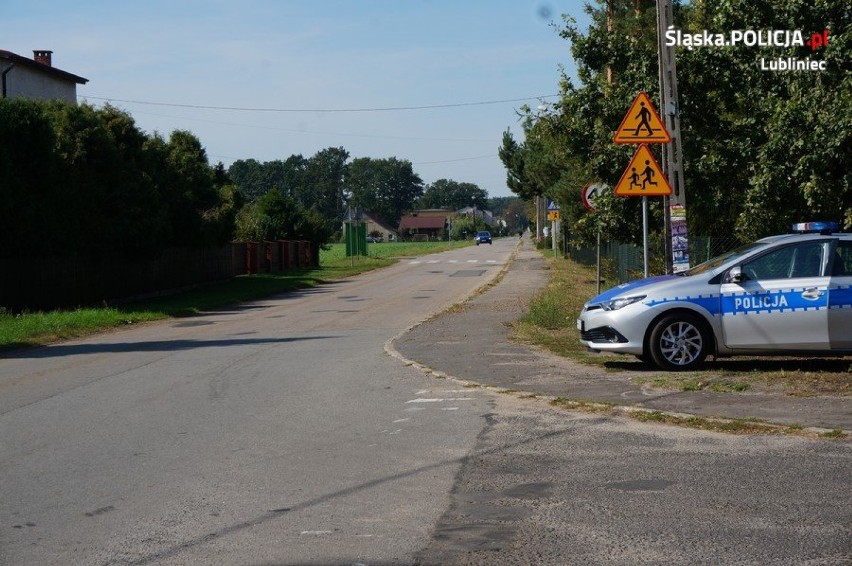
[813, 293]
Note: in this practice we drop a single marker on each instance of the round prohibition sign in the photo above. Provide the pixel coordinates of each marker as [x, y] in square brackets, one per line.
[590, 193]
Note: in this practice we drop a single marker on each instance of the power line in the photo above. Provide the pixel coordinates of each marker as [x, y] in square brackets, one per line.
[314, 132]
[329, 110]
[454, 160]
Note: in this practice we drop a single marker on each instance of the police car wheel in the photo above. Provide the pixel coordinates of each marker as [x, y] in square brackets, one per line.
[679, 342]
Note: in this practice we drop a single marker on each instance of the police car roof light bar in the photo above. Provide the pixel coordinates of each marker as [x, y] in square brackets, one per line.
[826, 227]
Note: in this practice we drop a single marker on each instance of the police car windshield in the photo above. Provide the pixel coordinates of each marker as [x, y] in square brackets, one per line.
[715, 262]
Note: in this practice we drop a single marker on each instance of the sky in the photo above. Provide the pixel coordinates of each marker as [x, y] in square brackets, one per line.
[435, 82]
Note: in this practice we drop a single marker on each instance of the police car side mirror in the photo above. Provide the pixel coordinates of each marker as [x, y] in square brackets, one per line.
[736, 275]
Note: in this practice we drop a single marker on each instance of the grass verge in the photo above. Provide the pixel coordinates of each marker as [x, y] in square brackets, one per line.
[551, 324]
[730, 426]
[19, 330]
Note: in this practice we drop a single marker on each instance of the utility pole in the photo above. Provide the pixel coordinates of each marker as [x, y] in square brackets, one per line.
[677, 257]
[540, 216]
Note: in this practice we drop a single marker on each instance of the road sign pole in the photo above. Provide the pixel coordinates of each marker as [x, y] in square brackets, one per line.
[643, 176]
[554, 227]
[645, 233]
[598, 261]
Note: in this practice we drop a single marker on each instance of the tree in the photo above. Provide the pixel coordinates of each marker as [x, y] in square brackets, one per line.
[446, 193]
[386, 187]
[254, 179]
[28, 186]
[463, 227]
[322, 188]
[247, 175]
[500, 205]
[278, 217]
[190, 190]
[90, 182]
[515, 215]
[514, 156]
[760, 149]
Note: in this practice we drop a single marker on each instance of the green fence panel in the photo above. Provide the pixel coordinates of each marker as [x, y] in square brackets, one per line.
[356, 239]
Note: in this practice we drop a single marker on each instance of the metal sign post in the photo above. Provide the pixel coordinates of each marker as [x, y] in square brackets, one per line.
[598, 262]
[553, 217]
[643, 176]
[645, 234]
[589, 194]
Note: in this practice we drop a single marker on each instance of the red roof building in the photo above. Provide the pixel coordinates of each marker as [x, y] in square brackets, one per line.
[429, 225]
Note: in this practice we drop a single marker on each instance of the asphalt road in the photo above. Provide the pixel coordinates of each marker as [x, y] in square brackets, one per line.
[277, 432]
[280, 432]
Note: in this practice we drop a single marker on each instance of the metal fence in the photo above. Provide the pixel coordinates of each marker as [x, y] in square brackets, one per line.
[623, 262]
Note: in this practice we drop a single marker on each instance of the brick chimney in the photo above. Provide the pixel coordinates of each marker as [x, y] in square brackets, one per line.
[43, 56]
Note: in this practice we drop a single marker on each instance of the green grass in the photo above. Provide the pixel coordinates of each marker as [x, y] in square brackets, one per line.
[551, 323]
[730, 426]
[26, 329]
[392, 250]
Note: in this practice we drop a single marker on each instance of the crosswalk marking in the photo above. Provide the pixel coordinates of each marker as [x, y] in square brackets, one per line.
[453, 261]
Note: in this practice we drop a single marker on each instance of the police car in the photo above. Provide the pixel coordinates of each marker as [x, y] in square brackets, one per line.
[786, 294]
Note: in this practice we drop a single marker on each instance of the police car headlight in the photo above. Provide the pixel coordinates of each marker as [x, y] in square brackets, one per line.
[616, 304]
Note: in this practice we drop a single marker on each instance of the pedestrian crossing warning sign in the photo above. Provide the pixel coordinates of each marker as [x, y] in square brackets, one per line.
[643, 177]
[642, 124]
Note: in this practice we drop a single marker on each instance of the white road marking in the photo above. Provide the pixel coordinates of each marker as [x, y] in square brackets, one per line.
[435, 400]
[401, 420]
[449, 408]
[317, 532]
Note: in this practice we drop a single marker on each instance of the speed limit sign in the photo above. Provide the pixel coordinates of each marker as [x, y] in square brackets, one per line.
[590, 193]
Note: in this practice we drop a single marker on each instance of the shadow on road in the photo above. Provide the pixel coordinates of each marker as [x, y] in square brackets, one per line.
[59, 350]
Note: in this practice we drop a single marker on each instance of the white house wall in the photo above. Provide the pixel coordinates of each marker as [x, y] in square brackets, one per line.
[22, 82]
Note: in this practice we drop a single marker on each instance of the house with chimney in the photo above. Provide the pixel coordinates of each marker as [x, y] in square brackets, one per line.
[36, 78]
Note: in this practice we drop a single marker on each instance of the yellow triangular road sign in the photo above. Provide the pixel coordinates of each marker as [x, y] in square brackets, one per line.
[643, 177]
[642, 124]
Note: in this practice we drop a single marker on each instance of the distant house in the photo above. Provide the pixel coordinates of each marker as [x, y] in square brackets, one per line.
[37, 78]
[424, 224]
[376, 226]
[483, 215]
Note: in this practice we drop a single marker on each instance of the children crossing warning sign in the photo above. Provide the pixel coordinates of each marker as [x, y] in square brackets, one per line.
[643, 177]
[642, 124]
